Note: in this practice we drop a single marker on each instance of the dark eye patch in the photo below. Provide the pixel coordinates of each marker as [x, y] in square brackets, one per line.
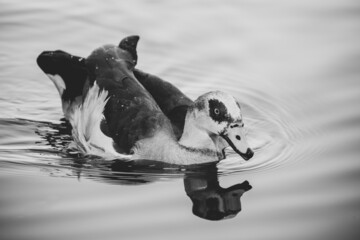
[218, 111]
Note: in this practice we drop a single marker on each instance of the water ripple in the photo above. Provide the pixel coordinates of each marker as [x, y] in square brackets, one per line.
[272, 132]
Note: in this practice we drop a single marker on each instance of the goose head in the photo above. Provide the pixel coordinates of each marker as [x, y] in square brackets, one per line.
[215, 120]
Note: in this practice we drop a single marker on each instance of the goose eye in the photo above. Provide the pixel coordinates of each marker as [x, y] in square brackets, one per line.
[216, 111]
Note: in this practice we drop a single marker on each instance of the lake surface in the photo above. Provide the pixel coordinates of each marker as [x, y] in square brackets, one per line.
[295, 68]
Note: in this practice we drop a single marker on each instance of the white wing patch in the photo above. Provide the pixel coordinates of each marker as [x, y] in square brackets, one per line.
[86, 119]
[59, 83]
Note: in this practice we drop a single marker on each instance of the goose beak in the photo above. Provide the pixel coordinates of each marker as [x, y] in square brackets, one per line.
[235, 136]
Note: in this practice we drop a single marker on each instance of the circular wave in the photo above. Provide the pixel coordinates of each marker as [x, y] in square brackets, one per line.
[271, 132]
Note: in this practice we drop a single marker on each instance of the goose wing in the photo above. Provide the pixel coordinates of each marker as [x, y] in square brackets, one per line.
[131, 112]
[173, 102]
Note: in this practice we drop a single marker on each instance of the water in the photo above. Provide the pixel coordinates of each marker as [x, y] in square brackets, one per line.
[294, 66]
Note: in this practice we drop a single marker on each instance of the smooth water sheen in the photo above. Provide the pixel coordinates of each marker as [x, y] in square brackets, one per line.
[294, 66]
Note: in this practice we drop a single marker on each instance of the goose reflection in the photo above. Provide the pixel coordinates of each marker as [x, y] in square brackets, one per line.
[210, 200]
[201, 182]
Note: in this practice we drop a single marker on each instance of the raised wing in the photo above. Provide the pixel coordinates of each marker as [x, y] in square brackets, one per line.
[131, 112]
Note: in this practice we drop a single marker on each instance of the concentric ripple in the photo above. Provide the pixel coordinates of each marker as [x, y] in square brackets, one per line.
[271, 132]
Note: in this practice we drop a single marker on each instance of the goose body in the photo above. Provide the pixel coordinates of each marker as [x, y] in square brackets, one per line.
[117, 111]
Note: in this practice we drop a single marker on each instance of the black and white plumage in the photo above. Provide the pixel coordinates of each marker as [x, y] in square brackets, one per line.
[117, 111]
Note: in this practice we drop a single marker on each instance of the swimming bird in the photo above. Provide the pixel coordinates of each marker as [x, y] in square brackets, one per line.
[118, 111]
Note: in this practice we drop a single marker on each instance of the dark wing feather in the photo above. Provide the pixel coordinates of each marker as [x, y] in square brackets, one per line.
[70, 68]
[131, 113]
[170, 99]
